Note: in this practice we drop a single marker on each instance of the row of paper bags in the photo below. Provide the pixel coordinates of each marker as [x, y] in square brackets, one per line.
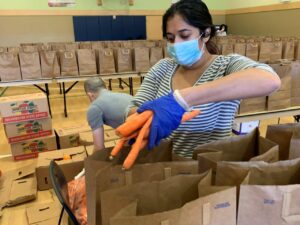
[238, 180]
[49, 64]
[287, 96]
[261, 48]
[67, 46]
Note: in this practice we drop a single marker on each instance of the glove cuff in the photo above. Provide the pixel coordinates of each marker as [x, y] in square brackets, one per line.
[180, 100]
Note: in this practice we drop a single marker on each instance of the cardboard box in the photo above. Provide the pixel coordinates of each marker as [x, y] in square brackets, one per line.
[31, 148]
[23, 107]
[15, 188]
[69, 167]
[42, 214]
[245, 127]
[86, 138]
[110, 135]
[68, 136]
[21, 131]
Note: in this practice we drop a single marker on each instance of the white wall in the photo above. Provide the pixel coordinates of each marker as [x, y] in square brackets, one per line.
[16, 29]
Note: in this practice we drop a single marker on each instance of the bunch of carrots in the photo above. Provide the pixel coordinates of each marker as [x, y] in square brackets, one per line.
[137, 126]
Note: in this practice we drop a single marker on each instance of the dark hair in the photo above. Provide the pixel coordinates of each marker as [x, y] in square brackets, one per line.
[94, 85]
[196, 14]
[223, 25]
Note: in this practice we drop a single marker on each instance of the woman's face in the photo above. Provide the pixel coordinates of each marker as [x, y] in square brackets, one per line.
[178, 30]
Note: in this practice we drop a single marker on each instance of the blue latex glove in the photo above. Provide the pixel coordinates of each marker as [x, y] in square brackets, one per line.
[167, 117]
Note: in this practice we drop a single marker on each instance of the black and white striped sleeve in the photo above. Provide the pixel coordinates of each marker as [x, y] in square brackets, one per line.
[238, 63]
[149, 87]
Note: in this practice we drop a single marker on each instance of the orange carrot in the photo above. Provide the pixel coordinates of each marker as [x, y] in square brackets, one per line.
[190, 115]
[117, 148]
[132, 116]
[134, 124]
[136, 147]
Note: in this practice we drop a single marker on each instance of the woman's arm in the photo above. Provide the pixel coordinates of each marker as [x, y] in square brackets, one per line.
[248, 83]
[149, 88]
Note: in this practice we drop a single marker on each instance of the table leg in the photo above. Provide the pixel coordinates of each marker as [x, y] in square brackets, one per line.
[48, 99]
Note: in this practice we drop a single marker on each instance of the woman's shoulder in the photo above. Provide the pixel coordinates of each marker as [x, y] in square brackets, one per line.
[163, 66]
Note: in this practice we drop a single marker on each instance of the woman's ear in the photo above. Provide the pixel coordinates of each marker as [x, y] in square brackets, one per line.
[206, 35]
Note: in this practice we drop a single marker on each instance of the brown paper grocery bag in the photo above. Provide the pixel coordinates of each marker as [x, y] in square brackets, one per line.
[276, 51]
[68, 63]
[258, 173]
[250, 147]
[269, 205]
[282, 135]
[44, 47]
[258, 200]
[150, 44]
[297, 50]
[284, 72]
[265, 52]
[123, 59]
[100, 162]
[58, 47]
[250, 105]
[295, 75]
[3, 49]
[86, 61]
[97, 45]
[141, 59]
[49, 64]
[156, 54]
[126, 44]
[240, 48]
[71, 46]
[178, 200]
[288, 50]
[13, 49]
[9, 67]
[252, 50]
[85, 45]
[30, 65]
[106, 61]
[29, 48]
[227, 49]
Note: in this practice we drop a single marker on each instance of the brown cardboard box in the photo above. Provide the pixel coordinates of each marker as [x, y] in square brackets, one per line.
[23, 107]
[31, 148]
[70, 167]
[15, 188]
[21, 131]
[110, 135]
[43, 213]
[86, 138]
[68, 136]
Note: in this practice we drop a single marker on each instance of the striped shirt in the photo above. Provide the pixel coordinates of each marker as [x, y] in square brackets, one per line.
[216, 118]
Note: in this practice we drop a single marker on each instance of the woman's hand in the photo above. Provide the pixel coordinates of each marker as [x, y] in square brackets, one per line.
[167, 117]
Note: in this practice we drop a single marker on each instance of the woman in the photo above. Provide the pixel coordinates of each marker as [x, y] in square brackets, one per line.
[196, 78]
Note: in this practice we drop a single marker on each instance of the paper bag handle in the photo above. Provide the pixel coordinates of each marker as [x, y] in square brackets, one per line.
[125, 51]
[107, 53]
[68, 55]
[285, 214]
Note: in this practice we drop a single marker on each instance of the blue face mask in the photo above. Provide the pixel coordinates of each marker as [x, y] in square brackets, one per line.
[186, 53]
